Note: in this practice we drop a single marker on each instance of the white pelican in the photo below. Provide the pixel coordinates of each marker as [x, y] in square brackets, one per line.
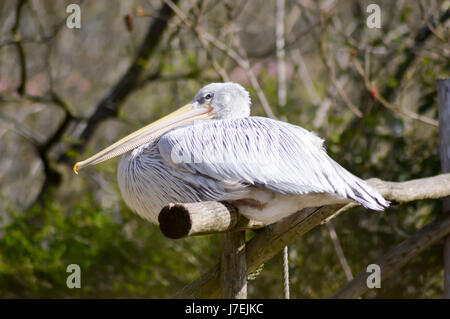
[213, 150]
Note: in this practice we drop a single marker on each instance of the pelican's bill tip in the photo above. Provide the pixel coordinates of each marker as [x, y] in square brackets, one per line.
[75, 168]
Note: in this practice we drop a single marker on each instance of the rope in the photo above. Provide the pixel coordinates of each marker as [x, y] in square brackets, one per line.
[286, 289]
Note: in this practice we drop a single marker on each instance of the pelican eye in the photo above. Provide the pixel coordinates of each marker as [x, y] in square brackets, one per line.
[209, 96]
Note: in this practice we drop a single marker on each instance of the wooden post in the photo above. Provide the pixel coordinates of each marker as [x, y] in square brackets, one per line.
[443, 87]
[233, 266]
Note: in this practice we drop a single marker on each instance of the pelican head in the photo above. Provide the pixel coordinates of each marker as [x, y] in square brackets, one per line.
[228, 100]
[215, 100]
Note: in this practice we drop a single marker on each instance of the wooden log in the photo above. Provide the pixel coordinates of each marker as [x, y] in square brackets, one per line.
[443, 88]
[273, 238]
[397, 257]
[191, 219]
[416, 189]
[233, 266]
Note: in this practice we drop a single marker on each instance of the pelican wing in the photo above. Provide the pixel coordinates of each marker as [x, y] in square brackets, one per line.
[258, 151]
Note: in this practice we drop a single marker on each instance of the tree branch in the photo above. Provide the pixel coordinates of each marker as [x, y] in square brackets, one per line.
[240, 59]
[339, 251]
[419, 40]
[417, 189]
[110, 104]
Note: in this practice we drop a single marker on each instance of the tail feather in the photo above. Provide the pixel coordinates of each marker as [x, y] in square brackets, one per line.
[359, 191]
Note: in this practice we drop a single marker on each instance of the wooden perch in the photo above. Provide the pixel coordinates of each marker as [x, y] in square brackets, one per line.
[397, 257]
[416, 189]
[273, 238]
[181, 220]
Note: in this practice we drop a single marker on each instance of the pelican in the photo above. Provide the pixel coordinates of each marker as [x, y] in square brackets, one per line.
[213, 150]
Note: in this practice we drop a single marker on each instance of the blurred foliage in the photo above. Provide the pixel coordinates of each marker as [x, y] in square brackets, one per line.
[83, 220]
[126, 258]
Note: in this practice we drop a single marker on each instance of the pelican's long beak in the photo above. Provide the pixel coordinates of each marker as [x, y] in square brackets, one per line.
[186, 114]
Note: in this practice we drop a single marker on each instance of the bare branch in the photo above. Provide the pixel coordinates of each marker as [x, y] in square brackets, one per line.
[417, 189]
[330, 69]
[419, 40]
[240, 59]
[371, 88]
[339, 251]
[280, 43]
[110, 104]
